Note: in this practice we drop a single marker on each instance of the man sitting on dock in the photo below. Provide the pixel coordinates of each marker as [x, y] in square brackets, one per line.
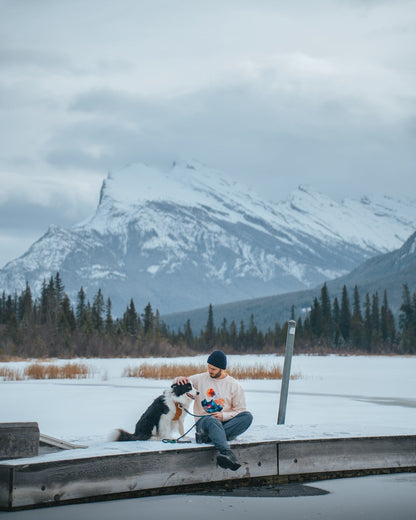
[222, 404]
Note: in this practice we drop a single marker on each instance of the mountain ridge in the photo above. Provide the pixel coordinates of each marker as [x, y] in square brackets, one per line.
[187, 236]
[389, 271]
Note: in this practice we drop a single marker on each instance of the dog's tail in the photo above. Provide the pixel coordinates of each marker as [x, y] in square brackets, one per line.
[122, 435]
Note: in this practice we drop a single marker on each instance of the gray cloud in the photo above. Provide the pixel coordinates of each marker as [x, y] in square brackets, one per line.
[16, 214]
[275, 93]
[243, 129]
[19, 59]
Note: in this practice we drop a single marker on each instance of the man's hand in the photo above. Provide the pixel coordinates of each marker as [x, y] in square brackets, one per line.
[217, 415]
[181, 380]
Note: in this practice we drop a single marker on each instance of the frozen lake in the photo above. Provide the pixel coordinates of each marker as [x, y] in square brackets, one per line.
[334, 396]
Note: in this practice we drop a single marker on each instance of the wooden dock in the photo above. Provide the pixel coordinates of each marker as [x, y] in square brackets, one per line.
[78, 477]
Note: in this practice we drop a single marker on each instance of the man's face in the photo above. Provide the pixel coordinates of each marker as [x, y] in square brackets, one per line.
[214, 372]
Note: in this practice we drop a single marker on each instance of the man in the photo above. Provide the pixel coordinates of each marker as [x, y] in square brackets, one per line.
[222, 403]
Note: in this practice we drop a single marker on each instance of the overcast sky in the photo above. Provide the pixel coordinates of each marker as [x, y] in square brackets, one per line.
[275, 93]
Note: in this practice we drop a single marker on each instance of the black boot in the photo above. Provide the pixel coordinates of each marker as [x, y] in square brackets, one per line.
[226, 459]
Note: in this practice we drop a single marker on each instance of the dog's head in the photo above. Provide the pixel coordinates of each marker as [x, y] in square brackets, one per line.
[183, 392]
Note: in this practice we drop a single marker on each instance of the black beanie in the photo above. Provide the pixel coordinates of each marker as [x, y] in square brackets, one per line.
[218, 359]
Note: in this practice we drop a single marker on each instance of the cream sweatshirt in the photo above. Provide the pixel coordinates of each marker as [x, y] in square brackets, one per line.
[218, 395]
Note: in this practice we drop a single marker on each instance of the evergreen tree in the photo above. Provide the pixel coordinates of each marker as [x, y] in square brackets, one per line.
[241, 344]
[109, 322]
[130, 320]
[148, 320]
[368, 326]
[316, 318]
[233, 334]
[25, 308]
[97, 312]
[59, 291]
[66, 316]
[252, 332]
[223, 333]
[407, 321]
[210, 329]
[88, 325]
[157, 327]
[3, 307]
[81, 308]
[299, 327]
[375, 313]
[326, 314]
[46, 301]
[345, 315]
[52, 301]
[188, 334]
[277, 336]
[357, 323]
[336, 312]
[387, 325]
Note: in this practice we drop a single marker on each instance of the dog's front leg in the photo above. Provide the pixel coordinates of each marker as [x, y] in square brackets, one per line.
[165, 429]
[180, 427]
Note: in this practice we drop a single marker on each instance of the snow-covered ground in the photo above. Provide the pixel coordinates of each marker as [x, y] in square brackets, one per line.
[333, 396]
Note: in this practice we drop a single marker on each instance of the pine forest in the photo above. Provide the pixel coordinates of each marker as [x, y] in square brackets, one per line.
[52, 326]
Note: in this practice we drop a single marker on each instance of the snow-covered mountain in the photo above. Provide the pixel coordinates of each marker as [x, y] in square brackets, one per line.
[190, 236]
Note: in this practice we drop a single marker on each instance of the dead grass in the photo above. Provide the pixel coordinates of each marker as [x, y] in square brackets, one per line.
[163, 370]
[7, 359]
[11, 374]
[170, 371]
[46, 371]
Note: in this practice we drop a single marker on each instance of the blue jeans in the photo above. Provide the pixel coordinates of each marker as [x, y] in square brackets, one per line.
[210, 429]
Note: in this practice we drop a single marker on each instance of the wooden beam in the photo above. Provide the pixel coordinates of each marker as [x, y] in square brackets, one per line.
[328, 455]
[56, 480]
[67, 480]
[58, 443]
[19, 440]
[6, 487]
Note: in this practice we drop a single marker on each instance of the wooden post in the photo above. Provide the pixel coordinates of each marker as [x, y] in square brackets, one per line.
[19, 440]
[290, 339]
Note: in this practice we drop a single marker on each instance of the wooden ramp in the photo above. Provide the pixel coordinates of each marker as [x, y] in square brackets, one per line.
[43, 481]
[59, 444]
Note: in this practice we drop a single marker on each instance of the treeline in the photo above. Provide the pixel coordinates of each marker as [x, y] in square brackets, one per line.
[367, 326]
[51, 326]
[329, 326]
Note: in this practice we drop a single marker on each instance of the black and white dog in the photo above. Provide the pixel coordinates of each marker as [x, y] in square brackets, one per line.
[163, 416]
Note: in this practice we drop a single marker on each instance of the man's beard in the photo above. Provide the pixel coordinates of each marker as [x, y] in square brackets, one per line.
[217, 375]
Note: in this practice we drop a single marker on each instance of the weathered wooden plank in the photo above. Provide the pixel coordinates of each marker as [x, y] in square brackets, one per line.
[6, 475]
[326, 455]
[19, 440]
[39, 482]
[52, 482]
[58, 443]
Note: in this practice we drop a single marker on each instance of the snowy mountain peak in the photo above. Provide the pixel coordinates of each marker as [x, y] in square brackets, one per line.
[189, 235]
[126, 192]
[138, 183]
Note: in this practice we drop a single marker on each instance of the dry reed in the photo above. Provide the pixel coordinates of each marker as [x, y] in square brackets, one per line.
[50, 371]
[170, 371]
[46, 371]
[11, 374]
